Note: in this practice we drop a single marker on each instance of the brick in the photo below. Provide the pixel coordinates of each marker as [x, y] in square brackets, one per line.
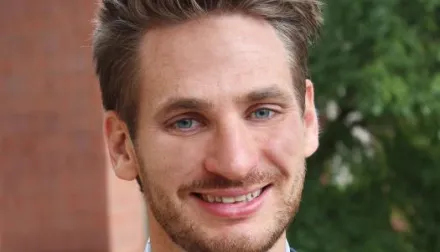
[57, 192]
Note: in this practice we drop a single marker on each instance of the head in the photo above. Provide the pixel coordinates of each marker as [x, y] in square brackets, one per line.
[209, 105]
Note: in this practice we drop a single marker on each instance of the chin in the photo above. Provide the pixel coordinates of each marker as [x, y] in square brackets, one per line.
[258, 233]
[233, 240]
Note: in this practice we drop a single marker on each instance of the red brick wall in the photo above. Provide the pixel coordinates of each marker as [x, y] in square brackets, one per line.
[56, 192]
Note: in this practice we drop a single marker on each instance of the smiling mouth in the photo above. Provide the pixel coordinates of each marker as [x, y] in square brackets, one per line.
[231, 200]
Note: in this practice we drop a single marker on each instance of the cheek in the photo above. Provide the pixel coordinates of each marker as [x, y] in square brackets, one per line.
[169, 160]
[285, 148]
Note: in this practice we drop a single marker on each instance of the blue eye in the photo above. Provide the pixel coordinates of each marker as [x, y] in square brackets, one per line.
[263, 113]
[186, 124]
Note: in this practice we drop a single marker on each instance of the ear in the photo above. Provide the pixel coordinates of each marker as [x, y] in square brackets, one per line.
[311, 122]
[121, 150]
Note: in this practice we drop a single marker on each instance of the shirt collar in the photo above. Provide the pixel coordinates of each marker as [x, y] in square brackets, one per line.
[148, 247]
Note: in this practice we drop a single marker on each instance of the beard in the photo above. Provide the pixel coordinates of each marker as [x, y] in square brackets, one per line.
[190, 235]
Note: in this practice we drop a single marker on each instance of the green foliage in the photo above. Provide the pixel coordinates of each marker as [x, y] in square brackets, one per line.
[374, 184]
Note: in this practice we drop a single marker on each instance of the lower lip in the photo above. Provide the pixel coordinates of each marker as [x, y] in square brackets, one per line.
[234, 210]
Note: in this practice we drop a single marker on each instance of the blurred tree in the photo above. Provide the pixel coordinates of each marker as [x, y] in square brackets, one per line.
[374, 184]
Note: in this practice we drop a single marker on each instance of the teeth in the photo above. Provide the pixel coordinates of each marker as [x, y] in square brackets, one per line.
[249, 197]
[210, 198]
[230, 200]
[240, 198]
[256, 193]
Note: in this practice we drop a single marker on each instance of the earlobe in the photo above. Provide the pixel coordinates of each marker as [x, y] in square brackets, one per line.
[121, 152]
[311, 120]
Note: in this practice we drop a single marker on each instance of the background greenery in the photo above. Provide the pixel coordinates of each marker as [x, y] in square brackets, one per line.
[374, 184]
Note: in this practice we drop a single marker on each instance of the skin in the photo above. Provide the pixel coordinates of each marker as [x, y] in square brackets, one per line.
[217, 111]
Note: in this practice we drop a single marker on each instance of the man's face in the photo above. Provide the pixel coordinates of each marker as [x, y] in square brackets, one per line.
[222, 140]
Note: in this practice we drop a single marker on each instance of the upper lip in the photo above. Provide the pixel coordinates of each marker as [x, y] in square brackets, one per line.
[230, 192]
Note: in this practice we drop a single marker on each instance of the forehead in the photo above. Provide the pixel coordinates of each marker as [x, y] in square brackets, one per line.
[213, 57]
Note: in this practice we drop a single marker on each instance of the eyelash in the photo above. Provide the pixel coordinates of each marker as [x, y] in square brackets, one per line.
[199, 120]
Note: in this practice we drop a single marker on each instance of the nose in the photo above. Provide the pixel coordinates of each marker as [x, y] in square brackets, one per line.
[233, 152]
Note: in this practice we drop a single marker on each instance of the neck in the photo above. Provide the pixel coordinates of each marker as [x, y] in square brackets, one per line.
[161, 242]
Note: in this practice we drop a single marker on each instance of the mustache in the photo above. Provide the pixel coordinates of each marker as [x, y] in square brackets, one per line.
[214, 181]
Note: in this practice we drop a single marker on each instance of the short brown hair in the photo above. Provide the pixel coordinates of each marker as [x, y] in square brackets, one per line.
[121, 24]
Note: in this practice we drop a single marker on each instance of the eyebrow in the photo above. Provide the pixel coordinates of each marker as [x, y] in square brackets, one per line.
[174, 104]
[188, 103]
[272, 92]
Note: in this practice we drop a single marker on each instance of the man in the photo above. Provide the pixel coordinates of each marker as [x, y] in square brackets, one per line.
[208, 105]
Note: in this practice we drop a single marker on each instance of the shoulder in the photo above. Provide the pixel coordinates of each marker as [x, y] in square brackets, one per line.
[292, 250]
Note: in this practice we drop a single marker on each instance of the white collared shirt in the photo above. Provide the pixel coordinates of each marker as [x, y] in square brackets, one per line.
[148, 247]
